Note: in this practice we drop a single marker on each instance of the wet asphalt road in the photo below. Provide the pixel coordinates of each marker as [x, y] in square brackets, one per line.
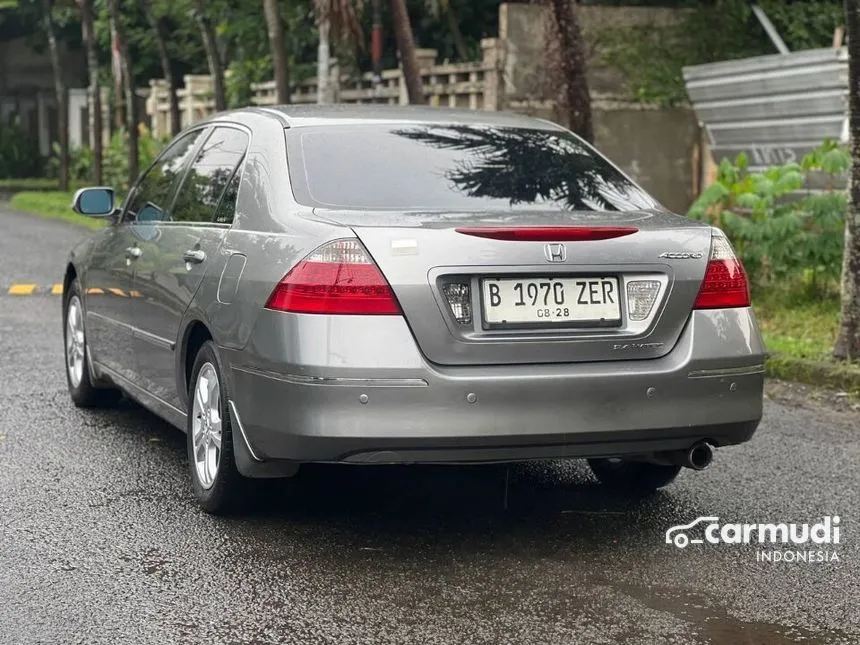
[101, 543]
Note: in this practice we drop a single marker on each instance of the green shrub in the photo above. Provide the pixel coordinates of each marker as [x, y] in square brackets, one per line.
[19, 153]
[782, 230]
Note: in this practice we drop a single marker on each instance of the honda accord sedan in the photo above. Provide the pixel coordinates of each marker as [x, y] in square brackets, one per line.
[375, 285]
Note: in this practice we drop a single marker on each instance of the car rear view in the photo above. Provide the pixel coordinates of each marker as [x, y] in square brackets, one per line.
[496, 293]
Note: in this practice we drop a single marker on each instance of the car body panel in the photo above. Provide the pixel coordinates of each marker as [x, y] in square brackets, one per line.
[370, 389]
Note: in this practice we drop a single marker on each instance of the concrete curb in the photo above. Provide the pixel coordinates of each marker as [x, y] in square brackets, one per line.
[832, 375]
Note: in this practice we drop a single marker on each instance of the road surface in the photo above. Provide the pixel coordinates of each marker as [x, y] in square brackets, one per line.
[100, 541]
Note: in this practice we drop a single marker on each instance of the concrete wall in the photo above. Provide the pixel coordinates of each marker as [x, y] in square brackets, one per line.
[657, 147]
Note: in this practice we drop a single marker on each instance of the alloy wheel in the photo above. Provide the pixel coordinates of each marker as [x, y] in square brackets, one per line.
[206, 425]
[75, 341]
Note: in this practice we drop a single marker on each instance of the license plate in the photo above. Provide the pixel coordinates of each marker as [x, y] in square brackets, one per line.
[511, 301]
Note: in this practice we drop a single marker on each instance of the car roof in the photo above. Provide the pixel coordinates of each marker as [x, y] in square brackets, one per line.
[295, 116]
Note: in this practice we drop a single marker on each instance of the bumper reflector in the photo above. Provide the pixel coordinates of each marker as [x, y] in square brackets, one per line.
[641, 296]
[459, 297]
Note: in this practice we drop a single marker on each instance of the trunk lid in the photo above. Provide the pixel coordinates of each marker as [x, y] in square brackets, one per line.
[421, 254]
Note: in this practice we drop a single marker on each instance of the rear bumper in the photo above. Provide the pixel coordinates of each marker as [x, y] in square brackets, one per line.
[708, 387]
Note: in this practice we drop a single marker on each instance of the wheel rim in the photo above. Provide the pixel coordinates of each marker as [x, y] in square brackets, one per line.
[206, 425]
[75, 341]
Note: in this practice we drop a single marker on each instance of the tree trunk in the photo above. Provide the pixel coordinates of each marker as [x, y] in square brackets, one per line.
[95, 92]
[276, 46]
[376, 45]
[128, 86]
[456, 34]
[62, 95]
[116, 72]
[406, 48]
[158, 33]
[323, 62]
[213, 56]
[848, 340]
[566, 54]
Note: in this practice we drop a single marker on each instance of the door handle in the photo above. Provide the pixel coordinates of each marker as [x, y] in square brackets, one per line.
[133, 252]
[195, 256]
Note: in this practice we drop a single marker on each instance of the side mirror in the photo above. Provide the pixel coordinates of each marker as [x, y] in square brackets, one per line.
[93, 202]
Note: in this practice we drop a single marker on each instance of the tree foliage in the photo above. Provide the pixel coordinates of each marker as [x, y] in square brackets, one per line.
[782, 229]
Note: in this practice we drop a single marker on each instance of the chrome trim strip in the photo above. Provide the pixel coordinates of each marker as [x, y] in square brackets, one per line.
[302, 379]
[137, 333]
[745, 370]
[158, 341]
[238, 423]
[108, 319]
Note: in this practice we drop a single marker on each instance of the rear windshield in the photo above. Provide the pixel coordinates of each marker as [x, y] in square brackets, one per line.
[453, 167]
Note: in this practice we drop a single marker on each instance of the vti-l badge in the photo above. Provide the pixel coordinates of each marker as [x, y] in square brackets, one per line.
[555, 252]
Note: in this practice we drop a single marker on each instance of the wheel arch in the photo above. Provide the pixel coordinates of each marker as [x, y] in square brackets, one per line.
[195, 334]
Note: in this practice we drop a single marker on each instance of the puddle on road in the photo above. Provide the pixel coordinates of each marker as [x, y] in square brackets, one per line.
[714, 625]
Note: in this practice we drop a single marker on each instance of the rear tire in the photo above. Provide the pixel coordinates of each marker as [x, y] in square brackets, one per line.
[84, 393]
[632, 477]
[217, 484]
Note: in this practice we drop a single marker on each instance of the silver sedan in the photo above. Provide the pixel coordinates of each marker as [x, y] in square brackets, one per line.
[368, 285]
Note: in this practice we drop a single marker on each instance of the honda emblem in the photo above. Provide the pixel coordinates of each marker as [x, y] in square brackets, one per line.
[555, 252]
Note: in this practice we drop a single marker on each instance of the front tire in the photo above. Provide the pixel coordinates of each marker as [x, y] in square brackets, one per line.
[84, 393]
[632, 477]
[216, 482]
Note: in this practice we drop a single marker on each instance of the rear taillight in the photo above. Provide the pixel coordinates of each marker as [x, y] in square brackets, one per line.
[339, 277]
[725, 284]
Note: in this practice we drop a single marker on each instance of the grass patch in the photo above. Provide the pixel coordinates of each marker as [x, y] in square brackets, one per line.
[796, 325]
[53, 204]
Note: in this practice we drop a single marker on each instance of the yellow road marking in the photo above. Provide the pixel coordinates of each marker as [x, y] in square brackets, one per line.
[135, 294]
[117, 292]
[23, 289]
[95, 290]
[57, 290]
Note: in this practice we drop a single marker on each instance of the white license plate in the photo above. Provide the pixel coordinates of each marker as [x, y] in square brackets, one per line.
[511, 301]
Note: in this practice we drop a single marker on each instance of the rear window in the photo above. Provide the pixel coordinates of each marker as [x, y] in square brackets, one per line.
[454, 167]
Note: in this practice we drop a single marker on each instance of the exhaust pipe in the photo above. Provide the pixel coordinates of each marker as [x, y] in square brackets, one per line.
[697, 457]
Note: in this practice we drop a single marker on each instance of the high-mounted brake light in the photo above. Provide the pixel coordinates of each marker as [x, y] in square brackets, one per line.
[549, 233]
[725, 284]
[339, 277]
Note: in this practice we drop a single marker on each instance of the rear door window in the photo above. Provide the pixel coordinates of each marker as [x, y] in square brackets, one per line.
[211, 177]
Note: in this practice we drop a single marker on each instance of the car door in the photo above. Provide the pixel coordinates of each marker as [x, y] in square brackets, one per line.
[110, 295]
[182, 246]
[107, 283]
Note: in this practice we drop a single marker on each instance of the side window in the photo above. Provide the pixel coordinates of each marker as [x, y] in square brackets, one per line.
[149, 201]
[210, 175]
[227, 208]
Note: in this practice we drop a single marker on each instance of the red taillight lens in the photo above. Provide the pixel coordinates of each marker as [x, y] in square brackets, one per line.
[340, 277]
[549, 233]
[725, 284]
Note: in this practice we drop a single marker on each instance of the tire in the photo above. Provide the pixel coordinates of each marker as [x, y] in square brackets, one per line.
[632, 477]
[84, 393]
[217, 485]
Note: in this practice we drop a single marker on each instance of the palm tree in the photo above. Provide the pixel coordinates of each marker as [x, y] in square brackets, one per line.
[566, 58]
[156, 26]
[339, 19]
[89, 37]
[406, 48]
[530, 166]
[117, 28]
[213, 56]
[848, 340]
[276, 46]
[60, 89]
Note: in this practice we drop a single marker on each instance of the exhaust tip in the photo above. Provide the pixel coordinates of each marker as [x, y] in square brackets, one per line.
[699, 456]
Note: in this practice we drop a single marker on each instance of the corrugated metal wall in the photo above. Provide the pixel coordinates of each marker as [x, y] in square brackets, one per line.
[775, 108]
